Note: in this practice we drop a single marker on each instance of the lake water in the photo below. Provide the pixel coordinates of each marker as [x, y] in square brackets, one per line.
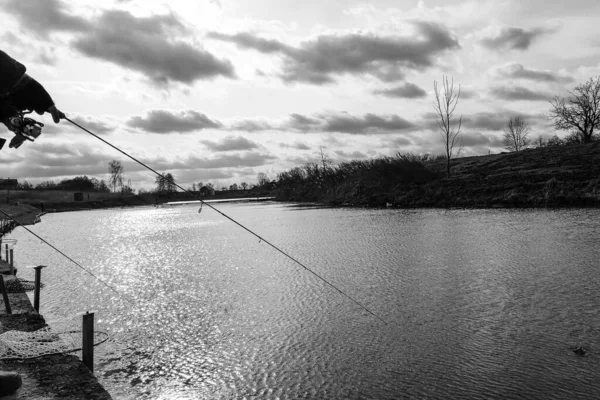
[478, 303]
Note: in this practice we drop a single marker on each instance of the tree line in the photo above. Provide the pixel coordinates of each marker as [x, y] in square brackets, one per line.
[79, 183]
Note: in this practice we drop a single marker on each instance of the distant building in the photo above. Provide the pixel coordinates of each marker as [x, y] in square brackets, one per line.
[207, 191]
[8, 183]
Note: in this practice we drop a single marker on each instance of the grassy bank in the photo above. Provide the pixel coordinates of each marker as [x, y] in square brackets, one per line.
[544, 177]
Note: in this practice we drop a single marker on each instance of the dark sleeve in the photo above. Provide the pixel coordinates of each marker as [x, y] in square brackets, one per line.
[10, 72]
[7, 109]
[32, 96]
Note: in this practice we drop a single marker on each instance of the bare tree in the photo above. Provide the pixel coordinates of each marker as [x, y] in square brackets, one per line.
[515, 134]
[580, 111]
[262, 179]
[244, 185]
[444, 105]
[324, 158]
[115, 169]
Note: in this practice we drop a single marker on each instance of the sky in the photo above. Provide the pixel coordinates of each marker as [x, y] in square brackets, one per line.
[219, 91]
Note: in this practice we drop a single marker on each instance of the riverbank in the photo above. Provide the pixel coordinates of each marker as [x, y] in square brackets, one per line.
[26, 205]
[563, 176]
[49, 377]
[24, 213]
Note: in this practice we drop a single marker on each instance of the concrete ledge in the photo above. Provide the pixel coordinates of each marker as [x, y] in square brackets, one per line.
[48, 377]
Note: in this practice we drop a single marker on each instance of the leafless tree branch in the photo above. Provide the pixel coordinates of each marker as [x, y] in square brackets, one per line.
[445, 104]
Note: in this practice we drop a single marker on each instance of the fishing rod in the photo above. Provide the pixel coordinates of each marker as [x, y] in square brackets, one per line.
[234, 221]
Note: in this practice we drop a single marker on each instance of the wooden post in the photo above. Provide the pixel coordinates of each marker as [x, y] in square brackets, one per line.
[6, 252]
[87, 347]
[4, 295]
[36, 289]
[11, 262]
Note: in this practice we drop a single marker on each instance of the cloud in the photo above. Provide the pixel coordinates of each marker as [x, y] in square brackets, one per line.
[353, 155]
[398, 142]
[45, 16]
[230, 160]
[24, 49]
[330, 122]
[147, 45]
[470, 139]
[94, 124]
[295, 145]
[346, 123]
[151, 45]
[230, 143]
[321, 60]
[468, 94]
[165, 121]
[519, 93]
[485, 121]
[407, 91]
[59, 160]
[510, 38]
[481, 121]
[251, 126]
[518, 71]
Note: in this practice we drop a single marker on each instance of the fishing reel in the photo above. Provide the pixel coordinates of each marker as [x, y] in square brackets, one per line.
[24, 128]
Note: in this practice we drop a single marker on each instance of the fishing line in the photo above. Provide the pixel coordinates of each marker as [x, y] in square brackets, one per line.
[202, 202]
[66, 256]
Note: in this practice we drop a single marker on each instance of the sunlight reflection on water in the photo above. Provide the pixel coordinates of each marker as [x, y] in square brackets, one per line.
[480, 303]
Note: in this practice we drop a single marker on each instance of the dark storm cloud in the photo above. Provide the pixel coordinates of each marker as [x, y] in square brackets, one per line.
[145, 45]
[519, 93]
[346, 123]
[45, 16]
[512, 38]
[407, 91]
[386, 57]
[518, 71]
[230, 143]
[165, 121]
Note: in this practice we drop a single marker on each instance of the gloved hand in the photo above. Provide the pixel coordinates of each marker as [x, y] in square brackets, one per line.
[57, 115]
[16, 141]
